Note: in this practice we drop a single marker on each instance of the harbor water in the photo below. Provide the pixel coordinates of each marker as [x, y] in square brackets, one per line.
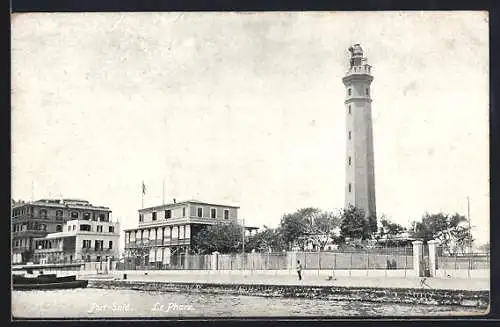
[114, 303]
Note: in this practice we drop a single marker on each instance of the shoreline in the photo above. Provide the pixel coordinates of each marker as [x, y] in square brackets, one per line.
[423, 296]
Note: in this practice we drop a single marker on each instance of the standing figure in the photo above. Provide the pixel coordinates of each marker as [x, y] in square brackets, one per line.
[299, 269]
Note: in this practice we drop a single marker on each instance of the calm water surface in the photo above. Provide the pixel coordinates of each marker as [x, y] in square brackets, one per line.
[91, 302]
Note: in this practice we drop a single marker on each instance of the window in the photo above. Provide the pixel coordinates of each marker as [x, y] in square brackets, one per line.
[200, 212]
[98, 245]
[99, 228]
[87, 244]
[69, 228]
[59, 215]
[44, 227]
[367, 91]
[43, 213]
[168, 214]
[110, 245]
[141, 218]
[86, 215]
[349, 91]
[102, 217]
[226, 214]
[349, 187]
[213, 213]
[98, 258]
[74, 214]
[154, 215]
[85, 228]
[349, 135]
[349, 109]
[74, 227]
[349, 160]
[183, 212]
[111, 229]
[58, 228]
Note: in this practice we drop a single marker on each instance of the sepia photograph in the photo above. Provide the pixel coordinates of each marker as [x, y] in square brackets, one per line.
[186, 165]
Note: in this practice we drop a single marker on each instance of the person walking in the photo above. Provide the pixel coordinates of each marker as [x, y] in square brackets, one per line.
[299, 269]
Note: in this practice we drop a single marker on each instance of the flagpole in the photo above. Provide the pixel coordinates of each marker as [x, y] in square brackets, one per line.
[470, 231]
[163, 190]
[142, 194]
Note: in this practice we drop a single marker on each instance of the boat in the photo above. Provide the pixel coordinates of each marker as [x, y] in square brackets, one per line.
[46, 282]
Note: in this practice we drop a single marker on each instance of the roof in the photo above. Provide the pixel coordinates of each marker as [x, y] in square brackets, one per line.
[57, 235]
[62, 203]
[169, 205]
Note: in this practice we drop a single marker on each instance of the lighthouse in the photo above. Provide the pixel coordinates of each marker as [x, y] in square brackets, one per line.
[360, 166]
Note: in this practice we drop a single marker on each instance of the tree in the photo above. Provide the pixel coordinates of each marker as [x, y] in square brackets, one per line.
[390, 229]
[448, 229]
[221, 237]
[269, 239]
[353, 224]
[322, 228]
[294, 226]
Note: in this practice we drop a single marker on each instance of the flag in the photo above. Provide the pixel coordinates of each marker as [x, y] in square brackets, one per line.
[143, 188]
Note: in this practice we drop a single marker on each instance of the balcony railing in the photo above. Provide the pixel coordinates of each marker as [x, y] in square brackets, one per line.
[131, 245]
[365, 69]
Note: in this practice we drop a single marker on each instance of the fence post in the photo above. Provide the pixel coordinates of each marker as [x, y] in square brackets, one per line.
[417, 254]
[432, 257]
[367, 263]
[215, 260]
[350, 264]
[406, 260]
[319, 261]
[386, 260]
[469, 268]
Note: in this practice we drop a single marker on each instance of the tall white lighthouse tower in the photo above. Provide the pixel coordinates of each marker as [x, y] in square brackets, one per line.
[360, 174]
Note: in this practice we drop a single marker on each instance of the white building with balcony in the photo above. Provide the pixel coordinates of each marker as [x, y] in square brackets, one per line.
[80, 240]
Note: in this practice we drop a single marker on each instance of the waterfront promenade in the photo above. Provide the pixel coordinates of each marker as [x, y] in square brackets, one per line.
[480, 284]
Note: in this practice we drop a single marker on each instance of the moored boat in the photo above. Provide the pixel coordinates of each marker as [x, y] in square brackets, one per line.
[51, 286]
[45, 281]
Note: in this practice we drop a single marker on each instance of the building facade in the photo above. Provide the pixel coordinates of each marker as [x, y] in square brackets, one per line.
[80, 240]
[169, 229]
[360, 167]
[36, 219]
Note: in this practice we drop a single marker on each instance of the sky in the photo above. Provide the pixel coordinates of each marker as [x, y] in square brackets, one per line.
[248, 109]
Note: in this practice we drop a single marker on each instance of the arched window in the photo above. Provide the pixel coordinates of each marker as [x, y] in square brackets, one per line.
[43, 213]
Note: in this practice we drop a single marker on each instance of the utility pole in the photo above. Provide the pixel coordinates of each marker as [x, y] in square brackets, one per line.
[163, 190]
[243, 235]
[470, 230]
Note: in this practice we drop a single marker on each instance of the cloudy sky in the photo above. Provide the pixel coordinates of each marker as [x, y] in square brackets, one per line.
[247, 109]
